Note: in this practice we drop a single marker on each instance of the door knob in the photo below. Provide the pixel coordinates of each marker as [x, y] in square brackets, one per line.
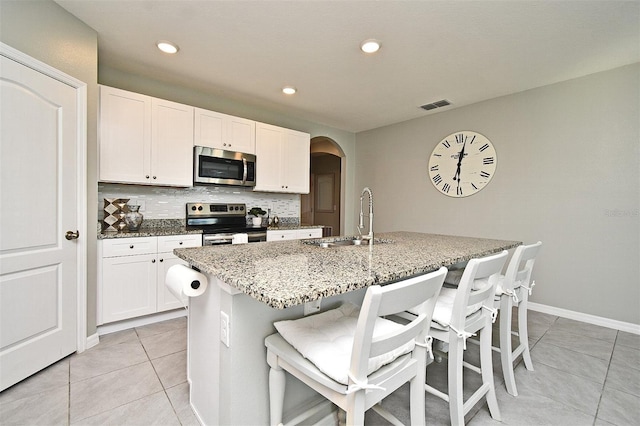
[70, 235]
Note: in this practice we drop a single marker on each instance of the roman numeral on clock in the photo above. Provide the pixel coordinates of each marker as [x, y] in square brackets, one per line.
[483, 147]
[460, 138]
[437, 179]
[459, 191]
[446, 187]
[434, 168]
[487, 160]
[484, 174]
[446, 144]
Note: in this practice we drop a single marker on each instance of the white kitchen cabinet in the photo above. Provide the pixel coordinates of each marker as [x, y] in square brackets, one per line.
[294, 234]
[165, 300]
[144, 140]
[309, 233]
[222, 131]
[132, 275]
[282, 159]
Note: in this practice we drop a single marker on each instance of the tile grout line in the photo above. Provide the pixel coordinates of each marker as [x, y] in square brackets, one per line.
[164, 389]
[605, 378]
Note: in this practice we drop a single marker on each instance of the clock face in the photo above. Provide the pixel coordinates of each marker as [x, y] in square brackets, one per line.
[462, 164]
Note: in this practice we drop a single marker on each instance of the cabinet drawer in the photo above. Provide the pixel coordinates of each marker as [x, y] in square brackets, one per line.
[281, 235]
[310, 233]
[170, 242]
[129, 246]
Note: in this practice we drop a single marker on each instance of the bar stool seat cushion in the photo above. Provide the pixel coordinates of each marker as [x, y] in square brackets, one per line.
[444, 306]
[500, 286]
[453, 280]
[326, 339]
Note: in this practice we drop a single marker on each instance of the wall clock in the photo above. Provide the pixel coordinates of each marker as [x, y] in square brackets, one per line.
[462, 164]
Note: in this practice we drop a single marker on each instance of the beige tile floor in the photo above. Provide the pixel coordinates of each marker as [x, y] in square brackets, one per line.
[584, 375]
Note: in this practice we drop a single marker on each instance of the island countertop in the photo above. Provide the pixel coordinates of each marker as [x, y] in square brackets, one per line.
[288, 273]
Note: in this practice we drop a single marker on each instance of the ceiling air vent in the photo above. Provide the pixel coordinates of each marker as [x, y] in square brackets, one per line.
[437, 104]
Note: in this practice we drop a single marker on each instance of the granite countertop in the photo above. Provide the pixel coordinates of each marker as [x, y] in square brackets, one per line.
[288, 273]
[159, 231]
[288, 227]
[150, 232]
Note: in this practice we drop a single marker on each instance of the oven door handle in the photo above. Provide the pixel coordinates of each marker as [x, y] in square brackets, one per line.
[217, 239]
[244, 174]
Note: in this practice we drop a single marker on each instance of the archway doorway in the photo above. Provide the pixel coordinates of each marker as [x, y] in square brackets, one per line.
[324, 203]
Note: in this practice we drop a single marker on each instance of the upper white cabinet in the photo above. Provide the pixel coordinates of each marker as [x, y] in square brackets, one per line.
[282, 159]
[144, 140]
[222, 131]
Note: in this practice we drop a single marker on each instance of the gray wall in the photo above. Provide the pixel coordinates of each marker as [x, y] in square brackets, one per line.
[567, 174]
[45, 31]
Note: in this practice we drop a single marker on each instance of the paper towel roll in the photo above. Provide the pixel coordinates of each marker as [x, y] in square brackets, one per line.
[183, 281]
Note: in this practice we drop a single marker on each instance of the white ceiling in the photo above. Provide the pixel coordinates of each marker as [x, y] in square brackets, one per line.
[462, 51]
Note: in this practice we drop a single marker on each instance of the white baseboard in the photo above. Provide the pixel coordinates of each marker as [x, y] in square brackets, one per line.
[140, 321]
[590, 319]
[92, 341]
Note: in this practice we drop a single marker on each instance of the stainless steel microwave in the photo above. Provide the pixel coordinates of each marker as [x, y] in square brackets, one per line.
[220, 167]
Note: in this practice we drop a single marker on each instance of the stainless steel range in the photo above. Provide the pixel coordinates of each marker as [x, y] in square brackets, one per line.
[220, 222]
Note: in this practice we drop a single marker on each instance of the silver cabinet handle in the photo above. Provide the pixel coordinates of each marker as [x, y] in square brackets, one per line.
[70, 235]
[153, 261]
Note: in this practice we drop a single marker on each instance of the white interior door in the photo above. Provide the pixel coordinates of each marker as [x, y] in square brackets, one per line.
[38, 205]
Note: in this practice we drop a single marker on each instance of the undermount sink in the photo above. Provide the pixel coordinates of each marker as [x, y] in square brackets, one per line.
[346, 242]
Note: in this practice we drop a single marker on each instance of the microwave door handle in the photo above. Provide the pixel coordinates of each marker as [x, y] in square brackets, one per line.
[244, 174]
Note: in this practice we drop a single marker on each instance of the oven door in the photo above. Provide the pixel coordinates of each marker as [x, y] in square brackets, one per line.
[216, 166]
[216, 239]
[227, 238]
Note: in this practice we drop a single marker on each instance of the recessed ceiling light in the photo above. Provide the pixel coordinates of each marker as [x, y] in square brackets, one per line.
[289, 90]
[370, 46]
[167, 47]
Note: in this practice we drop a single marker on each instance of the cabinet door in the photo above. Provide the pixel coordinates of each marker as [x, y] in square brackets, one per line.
[269, 141]
[166, 259]
[128, 287]
[172, 144]
[125, 136]
[241, 135]
[296, 154]
[210, 129]
[222, 131]
[166, 300]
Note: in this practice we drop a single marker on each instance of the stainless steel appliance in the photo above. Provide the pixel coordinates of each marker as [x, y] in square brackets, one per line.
[220, 222]
[220, 167]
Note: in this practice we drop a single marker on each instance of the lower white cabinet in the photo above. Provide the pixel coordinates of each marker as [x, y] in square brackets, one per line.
[132, 275]
[294, 234]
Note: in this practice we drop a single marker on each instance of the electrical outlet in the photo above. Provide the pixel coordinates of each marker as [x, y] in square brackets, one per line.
[312, 307]
[225, 328]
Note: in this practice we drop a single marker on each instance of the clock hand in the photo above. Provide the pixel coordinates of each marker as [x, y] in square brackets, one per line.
[460, 156]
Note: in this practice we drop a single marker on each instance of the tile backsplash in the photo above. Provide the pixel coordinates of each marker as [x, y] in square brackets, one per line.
[169, 203]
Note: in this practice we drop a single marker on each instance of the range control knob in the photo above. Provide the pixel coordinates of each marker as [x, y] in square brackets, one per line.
[193, 208]
[199, 208]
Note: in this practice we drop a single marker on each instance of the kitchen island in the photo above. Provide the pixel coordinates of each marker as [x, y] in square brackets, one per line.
[251, 286]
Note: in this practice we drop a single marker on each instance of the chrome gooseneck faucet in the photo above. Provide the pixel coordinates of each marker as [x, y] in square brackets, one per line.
[369, 236]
